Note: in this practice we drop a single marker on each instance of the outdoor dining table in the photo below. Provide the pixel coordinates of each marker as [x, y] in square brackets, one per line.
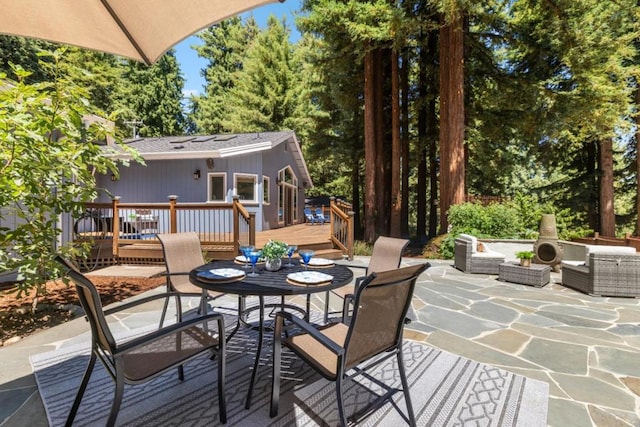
[267, 283]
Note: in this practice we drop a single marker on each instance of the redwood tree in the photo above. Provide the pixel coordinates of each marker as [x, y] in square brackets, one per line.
[451, 115]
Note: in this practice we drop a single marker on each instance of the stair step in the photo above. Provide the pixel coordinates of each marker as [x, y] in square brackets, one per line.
[329, 254]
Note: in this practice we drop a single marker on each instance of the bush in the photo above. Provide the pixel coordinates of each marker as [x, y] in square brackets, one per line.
[362, 248]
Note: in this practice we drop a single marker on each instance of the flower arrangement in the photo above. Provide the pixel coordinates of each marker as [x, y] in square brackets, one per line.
[274, 249]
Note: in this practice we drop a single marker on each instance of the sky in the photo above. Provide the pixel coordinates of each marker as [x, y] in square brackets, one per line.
[191, 64]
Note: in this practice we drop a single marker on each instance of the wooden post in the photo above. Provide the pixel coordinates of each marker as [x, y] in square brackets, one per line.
[350, 235]
[332, 206]
[173, 218]
[236, 225]
[115, 226]
[252, 228]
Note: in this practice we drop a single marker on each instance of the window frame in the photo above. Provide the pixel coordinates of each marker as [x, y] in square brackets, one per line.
[211, 175]
[254, 178]
[266, 190]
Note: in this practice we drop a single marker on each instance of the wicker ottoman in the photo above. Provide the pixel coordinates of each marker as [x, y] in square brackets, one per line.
[536, 275]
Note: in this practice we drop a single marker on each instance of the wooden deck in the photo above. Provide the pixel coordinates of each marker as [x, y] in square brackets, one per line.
[299, 234]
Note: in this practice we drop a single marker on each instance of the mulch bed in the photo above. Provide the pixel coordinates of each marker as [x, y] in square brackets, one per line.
[60, 304]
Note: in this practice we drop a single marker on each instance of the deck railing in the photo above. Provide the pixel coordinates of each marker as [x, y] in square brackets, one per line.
[342, 227]
[126, 226]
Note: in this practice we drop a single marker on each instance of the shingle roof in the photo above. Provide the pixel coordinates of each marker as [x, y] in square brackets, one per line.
[210, 144]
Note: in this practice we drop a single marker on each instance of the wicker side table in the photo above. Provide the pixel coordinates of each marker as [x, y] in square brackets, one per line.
[536, 275]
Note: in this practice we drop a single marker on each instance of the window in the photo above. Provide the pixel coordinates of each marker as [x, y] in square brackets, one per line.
[246, 187]
[218, 187]
[266, 191]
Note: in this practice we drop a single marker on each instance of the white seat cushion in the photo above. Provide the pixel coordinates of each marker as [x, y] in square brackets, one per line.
[487, 254]
[573, 263]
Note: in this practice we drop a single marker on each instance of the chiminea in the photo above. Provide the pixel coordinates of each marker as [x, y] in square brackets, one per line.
[547, 250]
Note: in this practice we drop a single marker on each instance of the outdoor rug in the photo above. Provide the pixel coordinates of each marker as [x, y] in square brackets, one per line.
[446, 390]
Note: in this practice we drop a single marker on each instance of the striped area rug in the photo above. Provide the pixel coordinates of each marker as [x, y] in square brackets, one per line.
[446, 390]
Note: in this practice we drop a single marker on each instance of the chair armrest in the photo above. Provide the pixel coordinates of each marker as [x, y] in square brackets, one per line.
[313, 332]
[142, 301]
[364, 267]
[169, 330]
[180, 273]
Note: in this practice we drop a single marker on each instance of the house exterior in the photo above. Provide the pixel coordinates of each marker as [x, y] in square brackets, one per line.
[266, 170]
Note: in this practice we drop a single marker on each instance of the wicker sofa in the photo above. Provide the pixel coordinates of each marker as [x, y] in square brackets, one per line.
[471, 260]
[606, 271]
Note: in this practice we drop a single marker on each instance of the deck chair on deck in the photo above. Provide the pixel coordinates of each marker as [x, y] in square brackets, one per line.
[145, 357]
[386, 255]
[320, 217]
[373, 335]
[182, 253]
[309, 217]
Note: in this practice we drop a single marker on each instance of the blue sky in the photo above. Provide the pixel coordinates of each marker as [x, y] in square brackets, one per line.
[191, 64]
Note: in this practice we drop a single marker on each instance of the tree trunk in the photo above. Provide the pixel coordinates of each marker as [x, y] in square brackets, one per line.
[404, 204]
[451, 117]
[607, 213]
[355, 195]
[421, 151]
[369, 149]
[382, 186]
[637, 120]
[432, 135]
[593, 185]
[396, 149]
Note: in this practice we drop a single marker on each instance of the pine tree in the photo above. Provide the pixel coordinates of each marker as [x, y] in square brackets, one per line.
[154, 96]
[263, 95]
[225, 48]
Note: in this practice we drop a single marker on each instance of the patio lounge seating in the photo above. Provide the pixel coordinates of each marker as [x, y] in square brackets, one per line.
[606, 271]
[320, 217]
[145, 357]
[309, 217]
[471, 260]
[373, 335]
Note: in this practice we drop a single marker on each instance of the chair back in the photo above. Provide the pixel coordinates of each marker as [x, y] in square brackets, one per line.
[386, 254]
[182, 253]
[90, 302]
[380, 307]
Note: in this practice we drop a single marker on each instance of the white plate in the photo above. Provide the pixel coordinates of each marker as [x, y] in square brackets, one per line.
[222, 274]
[320, 262]
[309, 277]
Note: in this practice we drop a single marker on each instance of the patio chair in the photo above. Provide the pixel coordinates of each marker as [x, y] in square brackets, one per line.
[386, 255]
[182, 253]
[374, 335]
[320, 217]
[469, 259]
[309, 217]
[145, 357]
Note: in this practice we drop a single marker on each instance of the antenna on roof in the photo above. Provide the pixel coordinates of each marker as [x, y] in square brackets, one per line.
[134, 126]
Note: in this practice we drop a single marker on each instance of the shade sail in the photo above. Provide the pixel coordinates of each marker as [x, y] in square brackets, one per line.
[139, 29]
